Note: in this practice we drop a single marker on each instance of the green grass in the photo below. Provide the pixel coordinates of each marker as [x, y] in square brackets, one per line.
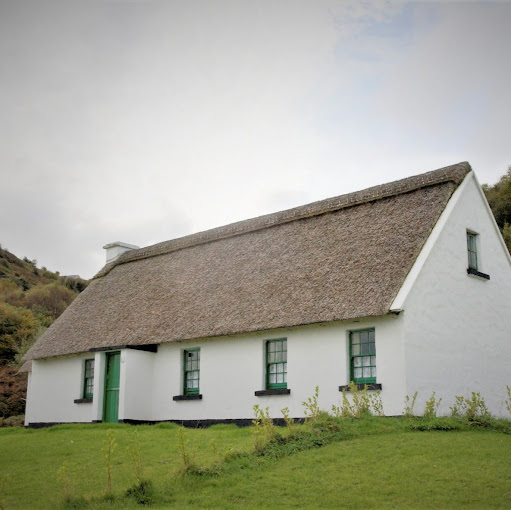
[370, 463]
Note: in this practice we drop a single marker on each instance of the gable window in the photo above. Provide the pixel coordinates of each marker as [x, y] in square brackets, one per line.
[363, 356]
[276, 364]
[472, 250]
[191, 366]
[88, 378]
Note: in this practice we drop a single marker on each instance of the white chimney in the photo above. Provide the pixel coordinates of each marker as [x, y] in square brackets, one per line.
[115, 250]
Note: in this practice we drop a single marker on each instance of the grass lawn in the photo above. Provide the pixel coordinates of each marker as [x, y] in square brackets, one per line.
[383, 464]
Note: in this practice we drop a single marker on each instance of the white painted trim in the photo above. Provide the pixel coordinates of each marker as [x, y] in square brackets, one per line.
[397, 304]
[495, 226]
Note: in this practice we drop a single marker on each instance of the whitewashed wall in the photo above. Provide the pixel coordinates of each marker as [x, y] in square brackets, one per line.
[54, 384]
[136, 385]
[457, 328]
[231, 370]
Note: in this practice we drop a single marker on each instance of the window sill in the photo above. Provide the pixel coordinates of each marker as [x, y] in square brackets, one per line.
[277, 391]
[370, 386]
[196, 396]
[83, 401]
[475, 272]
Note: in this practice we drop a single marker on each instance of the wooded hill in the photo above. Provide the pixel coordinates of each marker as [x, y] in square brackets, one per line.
[31, 298]
[499, 198]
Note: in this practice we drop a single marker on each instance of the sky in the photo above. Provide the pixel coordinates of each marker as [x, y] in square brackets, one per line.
[146, 120]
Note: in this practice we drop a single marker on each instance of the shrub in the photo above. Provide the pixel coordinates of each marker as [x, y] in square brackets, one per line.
[142, 492]
[311, 407]
[409, 405]
[263, 428]
[432, 406]
[471, 409]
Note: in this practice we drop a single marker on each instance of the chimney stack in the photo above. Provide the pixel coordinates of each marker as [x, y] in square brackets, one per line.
[115, 250]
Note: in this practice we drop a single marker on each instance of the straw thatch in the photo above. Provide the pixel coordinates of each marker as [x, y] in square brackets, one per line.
[341, 258]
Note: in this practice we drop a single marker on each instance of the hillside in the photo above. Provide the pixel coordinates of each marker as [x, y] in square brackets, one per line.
[31, 298]
[356, 463]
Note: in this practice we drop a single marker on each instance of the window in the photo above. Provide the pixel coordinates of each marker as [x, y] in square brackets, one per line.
[363, 356]
[88, 378]
[276, 364]
[191, 366]
[472, 250]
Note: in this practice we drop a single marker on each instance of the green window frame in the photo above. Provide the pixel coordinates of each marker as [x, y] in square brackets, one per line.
[276, 364]
[363, 356]
[472, 249]
[88, 378]
[191, 371]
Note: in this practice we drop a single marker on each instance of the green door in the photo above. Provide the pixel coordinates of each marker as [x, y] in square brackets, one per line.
[113, 368]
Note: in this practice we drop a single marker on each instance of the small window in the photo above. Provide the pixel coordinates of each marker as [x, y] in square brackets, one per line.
[88, 378]
[276, 364]
[472, 250]
[363, 356]
[191, 366]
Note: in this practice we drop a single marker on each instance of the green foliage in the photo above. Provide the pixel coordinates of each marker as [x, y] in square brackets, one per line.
[66, 477]
[432, 406]
[186, 454]
[508, 400]
[363, 403]
[311, 407]
[30, 300]
[471, 409]
[287, 420]
[142, 492]
[263, 428]
[409, 405]
[506, 234]
[135, 455]
[108, 449]
[499, 198]
[17, 325]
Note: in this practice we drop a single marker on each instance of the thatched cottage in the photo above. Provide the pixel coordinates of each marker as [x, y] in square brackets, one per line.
[404, 287]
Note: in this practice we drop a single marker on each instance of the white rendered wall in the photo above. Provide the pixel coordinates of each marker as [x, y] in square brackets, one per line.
[54, 384]
[136, 388]
[457, 327]
[232, 369]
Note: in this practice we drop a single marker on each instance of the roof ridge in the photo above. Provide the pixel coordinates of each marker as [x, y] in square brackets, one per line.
[454, 173]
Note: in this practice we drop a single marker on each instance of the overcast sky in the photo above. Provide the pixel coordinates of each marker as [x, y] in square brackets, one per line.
[146, 120]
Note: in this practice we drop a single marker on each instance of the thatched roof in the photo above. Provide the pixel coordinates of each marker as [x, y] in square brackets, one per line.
[341, 258]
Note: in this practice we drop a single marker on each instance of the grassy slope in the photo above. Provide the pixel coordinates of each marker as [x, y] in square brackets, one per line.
[390, 468]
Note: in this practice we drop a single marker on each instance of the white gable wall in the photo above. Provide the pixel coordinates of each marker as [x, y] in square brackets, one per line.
[457, 327]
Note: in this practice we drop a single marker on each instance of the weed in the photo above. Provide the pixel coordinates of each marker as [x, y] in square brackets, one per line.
[377, 404]
[432, 406]
[187, 455]
[67, 480]
[288, 421]
[409, 405]
[108, 450]
[508, 400]
[311, 407]
[142, 492]
[264, 429]
[134, 453]
[471, 409]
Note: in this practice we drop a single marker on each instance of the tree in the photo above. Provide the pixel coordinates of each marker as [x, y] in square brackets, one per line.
[499, 198]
